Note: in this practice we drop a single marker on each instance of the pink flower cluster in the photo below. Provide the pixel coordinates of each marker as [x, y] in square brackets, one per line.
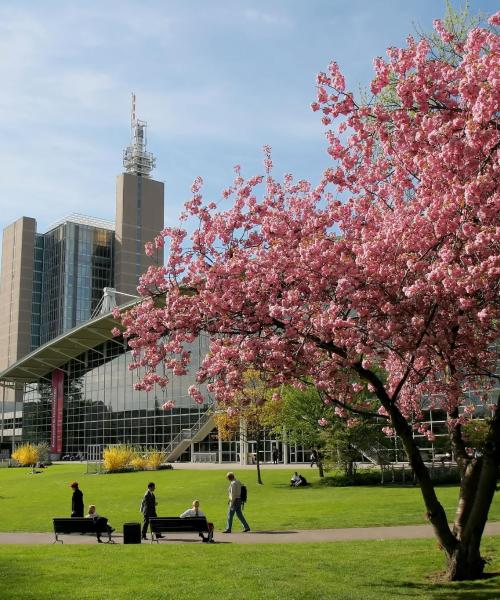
[391, 262]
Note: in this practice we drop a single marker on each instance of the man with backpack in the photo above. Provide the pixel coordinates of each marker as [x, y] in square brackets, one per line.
[236, 501]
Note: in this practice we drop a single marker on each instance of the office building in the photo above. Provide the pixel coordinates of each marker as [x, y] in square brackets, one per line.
[53, 281]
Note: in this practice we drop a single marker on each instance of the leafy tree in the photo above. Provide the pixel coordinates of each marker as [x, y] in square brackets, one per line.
[312, 423]
[390, 262]
[253, 409]
[346, 442]
[301, 413]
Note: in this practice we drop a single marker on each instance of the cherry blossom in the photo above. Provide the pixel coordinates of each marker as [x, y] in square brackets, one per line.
[389, 264]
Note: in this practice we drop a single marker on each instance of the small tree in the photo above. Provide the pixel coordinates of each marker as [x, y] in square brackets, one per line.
[303, 415]
[43, 453]
[345, 443]
[256, 414]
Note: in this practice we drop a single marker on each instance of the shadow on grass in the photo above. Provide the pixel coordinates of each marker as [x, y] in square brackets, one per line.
[283, 486]
[483, 589]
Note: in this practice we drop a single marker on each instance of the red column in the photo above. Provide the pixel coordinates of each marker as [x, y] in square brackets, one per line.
[56, 424]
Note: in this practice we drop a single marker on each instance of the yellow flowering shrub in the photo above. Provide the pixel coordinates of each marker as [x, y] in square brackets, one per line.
[154, 458]
[26, 455]
[138, 462]
[118, 458]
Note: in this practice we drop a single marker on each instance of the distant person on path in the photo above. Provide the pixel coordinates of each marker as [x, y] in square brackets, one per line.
[298, 480]
[276, 455]
[234, 493]
[314, 457]
[101, 523]
[148, 509]
[76, 500]
[195, 511]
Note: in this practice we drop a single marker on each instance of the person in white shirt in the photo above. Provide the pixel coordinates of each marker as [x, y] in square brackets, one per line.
[234, 493]
[295, 480]
[195, 511]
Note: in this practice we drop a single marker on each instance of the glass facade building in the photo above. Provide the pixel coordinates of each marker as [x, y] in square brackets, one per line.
[101, 407]
[88, 401]
[76, 264]
[36, 302]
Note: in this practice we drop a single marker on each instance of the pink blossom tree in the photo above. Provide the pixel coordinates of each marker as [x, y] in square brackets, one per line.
[389, 264]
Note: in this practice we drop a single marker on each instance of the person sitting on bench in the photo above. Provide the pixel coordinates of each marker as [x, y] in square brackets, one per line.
[195, 511]
[101, 523]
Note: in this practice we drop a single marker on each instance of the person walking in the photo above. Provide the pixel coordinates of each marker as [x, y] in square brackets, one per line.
[76, 500]
[276, 455]
[148, 509]
[235, 504]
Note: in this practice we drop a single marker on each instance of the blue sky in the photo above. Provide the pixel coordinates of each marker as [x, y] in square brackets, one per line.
[215, 80]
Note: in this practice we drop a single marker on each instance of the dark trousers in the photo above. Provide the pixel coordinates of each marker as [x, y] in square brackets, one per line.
[210, 536]
[145, 524]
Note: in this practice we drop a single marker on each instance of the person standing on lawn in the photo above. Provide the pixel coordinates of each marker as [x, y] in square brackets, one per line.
[76, 500]
[148, 509]
[234, 493]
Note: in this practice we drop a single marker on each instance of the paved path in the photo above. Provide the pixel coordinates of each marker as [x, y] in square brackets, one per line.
[259, 537]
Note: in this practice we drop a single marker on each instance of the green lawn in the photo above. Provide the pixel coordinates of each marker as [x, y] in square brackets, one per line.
[28, 502]
[343, 570]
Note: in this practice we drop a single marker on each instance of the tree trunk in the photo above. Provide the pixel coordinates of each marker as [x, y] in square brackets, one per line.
[320, 468]
[257, 458]
[465, 562]
[469, 485]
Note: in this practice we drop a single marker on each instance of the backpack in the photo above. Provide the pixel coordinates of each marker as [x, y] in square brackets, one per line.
[243, 494]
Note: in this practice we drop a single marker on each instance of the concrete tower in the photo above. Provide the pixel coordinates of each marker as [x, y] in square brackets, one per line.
[139, 211]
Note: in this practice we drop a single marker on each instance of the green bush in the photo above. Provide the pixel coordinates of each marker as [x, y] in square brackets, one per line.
[439, 475]
[361, 477]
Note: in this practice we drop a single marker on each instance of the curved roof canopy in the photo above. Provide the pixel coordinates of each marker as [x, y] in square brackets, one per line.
[41, 362]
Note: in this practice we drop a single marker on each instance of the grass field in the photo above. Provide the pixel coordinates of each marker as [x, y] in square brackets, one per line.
[28, 502]
[343, 570]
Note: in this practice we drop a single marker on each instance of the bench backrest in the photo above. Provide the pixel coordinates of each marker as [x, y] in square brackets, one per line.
[74, 525]
[173, 524]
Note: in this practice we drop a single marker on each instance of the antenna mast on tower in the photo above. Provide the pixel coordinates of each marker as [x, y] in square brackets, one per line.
[132, 114]
[136, 159]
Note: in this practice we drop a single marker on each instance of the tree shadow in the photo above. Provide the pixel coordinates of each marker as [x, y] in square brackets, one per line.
[487, 588]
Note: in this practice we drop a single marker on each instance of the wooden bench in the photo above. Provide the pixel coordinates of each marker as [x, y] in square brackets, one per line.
[161, 525]
[66, 525]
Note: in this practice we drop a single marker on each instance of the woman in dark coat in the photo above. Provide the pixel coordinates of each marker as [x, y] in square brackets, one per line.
[76, 501]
